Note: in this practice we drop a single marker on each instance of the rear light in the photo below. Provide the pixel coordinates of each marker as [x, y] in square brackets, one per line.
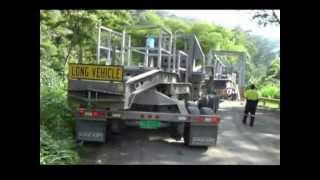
[215, 119]
[81, 112]
[95, 114]
[157, 116]
[150, 116]
[200, 119]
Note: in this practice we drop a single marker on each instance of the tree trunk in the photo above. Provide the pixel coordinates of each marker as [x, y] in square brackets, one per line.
[68, 54]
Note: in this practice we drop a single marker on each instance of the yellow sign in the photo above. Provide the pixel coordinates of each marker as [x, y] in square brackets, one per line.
[95, 72]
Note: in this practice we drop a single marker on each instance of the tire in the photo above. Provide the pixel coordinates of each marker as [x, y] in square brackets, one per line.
[203, 102]
[176, 131]
[116, 127]
[194, 110]
[213, 102]
[206, 111]
[218, 102]
[186, 133]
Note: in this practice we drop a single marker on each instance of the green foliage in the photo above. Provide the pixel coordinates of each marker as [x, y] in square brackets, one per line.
[176, 24]
[56, 124]
[56, 151]
[270, 91]
[274, 70]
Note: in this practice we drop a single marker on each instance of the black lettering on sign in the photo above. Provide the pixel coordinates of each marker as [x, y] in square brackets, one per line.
[82, 71]
[109, 73]
[103, 73]
[87, 71]
[72, 71]
[94, 72]
[113, 73]
[77, 71]
[119, 73]
[98, 72]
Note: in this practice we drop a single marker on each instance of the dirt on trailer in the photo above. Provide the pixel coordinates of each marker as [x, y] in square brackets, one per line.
[237, 144]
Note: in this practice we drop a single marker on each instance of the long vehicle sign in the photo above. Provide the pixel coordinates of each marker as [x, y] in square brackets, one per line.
[95, 72]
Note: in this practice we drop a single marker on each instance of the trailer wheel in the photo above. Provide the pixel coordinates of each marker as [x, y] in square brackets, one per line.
[186, 133]
[211, 102]
[206, 111]
[194, 110]
[203, 102]
[176, 131]
[116, 127]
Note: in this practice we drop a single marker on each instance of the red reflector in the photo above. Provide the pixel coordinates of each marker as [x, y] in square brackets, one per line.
[157, 116]
[200, 119]
[215, 119]
[98, 114]
[81, 112]
[95, 114]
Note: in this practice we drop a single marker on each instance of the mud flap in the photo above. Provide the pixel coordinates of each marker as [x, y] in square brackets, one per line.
[91, 130]
[202, 135]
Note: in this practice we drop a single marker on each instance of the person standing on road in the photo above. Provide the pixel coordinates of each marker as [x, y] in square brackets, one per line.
[252, 98]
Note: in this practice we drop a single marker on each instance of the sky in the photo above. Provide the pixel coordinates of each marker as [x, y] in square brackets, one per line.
[231, 19]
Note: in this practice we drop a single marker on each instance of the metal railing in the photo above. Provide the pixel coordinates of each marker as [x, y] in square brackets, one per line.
[271, 100]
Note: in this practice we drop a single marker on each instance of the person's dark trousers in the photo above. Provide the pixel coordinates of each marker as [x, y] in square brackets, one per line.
[250, 107]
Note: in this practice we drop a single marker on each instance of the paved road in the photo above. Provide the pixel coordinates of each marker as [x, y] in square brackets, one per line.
[237, 144]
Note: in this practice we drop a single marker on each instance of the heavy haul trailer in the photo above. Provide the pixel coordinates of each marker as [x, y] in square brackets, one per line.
[170, 90]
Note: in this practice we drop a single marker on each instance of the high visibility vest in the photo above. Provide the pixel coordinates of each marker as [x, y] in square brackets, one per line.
[251, 94]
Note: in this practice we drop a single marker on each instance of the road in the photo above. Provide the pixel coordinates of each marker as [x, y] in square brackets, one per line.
[237, 144]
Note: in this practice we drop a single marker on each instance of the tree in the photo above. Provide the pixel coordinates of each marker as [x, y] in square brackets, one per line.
[267, 17]
[69, 35]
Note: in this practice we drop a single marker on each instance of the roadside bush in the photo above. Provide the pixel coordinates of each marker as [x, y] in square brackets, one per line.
[56, 151]
[270, 91]
[56, 123]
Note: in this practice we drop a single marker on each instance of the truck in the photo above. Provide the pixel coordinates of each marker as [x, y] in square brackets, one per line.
[170, 88]
[229, 79]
